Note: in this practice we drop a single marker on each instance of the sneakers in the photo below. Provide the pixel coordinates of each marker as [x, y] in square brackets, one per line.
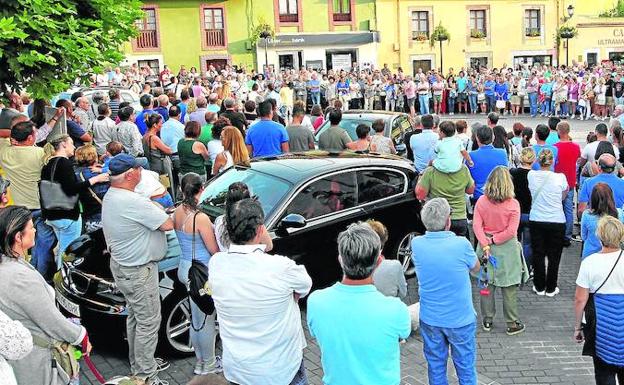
[211, 367]
[576, 238]
[487, 326]
[156, 381]
[198, 368]
[161, 364]
[554, 293]
[538, 292]
[516, 329]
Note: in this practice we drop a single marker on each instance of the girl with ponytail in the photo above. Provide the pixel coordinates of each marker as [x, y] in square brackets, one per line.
[197, 241]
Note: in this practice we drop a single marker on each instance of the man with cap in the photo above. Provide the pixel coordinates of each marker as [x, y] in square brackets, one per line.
[22, 162]
[606, 163]
[134, 229]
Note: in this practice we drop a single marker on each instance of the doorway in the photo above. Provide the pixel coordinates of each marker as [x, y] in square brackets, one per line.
[290, 60]
[478, 62]
[424, 65]
[592, 59]
[218, 64]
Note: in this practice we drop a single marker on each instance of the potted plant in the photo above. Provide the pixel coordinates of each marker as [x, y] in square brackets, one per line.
[477, 34]
[533, 32]
[262, 30]
[567, 32]
[420, 37]
[439, 34]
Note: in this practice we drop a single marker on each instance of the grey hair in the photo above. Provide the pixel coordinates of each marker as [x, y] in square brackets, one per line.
[436, 120]
[358, 247]
[435, 214]
[228, 102]
[416, 120]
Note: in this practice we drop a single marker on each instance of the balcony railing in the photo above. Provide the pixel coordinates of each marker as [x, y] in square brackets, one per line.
[342, 17]
[147, 39]
[289, 18]
[215, 37]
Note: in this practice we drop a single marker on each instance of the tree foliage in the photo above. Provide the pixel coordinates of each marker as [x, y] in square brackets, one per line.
[439, 34]
[616, 11]
[46, 44]
[259, 29]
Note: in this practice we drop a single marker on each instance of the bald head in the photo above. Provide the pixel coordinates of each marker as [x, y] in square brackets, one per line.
[606, 162]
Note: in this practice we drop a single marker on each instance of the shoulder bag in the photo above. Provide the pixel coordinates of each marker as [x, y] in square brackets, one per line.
[52, 196]
[199, 291]
[589, 327]
[93, 194]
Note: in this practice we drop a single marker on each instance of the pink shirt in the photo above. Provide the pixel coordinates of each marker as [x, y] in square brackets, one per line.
[410, 90]
[499, 220]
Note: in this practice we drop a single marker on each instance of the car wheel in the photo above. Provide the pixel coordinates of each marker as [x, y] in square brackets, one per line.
[404, 254]
[175, 338]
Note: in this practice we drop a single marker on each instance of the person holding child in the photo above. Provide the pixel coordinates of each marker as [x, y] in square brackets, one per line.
[450, 151]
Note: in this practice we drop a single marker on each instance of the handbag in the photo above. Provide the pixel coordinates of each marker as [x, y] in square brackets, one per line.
[199, 290]
[64, 360]
[500, 104]
[52, 196]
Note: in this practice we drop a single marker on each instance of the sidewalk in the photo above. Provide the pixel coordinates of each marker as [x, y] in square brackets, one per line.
[544, 354]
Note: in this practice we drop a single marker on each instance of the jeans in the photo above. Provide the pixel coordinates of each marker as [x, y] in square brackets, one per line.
[605, 374]
[533, 103]
[139, 286]
[472, 99]
[524, 236]
[463, 344]
[568, 210]
[510, 304]
[203, 333]
[491, 103]
[390, 104]
[316, 98]
[66, 230]
[451, 105]
[369, 103]
[546, 107]
[547, 242]
[42, 253]
[299, 379]
[423, 101]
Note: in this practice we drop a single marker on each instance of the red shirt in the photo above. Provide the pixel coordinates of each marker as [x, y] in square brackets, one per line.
[568, 155]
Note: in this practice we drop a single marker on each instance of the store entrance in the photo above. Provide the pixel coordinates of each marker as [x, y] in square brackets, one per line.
[340, 60]
[616, 57]
[424, 65]
[290, 60]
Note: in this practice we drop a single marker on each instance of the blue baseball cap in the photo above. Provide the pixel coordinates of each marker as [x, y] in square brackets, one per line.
[121, 163]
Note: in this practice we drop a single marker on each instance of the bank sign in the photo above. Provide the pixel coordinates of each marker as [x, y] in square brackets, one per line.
[321, 39]
[616, 38]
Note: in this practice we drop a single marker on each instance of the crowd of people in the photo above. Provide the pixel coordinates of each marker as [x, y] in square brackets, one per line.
[119, 170]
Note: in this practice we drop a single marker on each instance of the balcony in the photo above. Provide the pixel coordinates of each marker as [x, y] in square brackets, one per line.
[289, 18]
[215, 37]
[342, 16]
[147, 39]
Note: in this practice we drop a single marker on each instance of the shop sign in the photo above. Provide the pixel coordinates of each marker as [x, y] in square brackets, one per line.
[321, 39]
[616, 38]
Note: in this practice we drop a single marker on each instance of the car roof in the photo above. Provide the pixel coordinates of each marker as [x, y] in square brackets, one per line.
[370, 115]
[301, 166]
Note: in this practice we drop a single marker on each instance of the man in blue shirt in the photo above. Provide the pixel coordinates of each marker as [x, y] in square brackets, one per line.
[607, 163]
[357, 328]
[172, 130]
[423, 144]
[542, 132]
[315, 89]
[265, 137]
[490, 94]
[443, 262]
[486, 158]
[146, 103]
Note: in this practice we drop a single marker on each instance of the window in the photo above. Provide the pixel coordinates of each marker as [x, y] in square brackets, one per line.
[532, 22]
[477, 23]
[342, 10]
[288, 11]
[374, 185]
[325, 196]
[214, 27]
[420, 25]
[148, 31]
[153, 64]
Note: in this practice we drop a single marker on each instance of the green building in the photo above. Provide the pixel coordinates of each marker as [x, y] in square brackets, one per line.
[312, 33]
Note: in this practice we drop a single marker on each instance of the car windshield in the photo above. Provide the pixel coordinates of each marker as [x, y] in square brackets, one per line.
[349, 125]
[268, 189]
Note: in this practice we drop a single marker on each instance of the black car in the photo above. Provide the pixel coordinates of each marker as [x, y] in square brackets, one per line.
[308, 198]
[396, 125]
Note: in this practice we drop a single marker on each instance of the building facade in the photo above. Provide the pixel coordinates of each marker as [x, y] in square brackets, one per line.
[335, 33]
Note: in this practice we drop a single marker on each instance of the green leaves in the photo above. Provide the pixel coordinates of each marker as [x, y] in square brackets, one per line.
[46, 44]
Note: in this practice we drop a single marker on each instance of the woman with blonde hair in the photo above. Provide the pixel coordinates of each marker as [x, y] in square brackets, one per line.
[235, 152]
[598, 302]
[495, 224]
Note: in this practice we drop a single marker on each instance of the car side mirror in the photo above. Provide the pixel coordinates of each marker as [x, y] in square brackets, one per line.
[295, 221]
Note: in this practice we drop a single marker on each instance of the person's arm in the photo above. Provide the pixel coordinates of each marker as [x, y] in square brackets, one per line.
[467, 158]
[205, 228]
[167, 225]
[511, 229]
[200, 149]
[470, 188]
[161, 146]
[285, 147]
[580, 300]
[64, 174]
[422, 187]
[585, 226]
[477, 223]
[219, 162]
[296, 277]
[86, 137]
[250, 149]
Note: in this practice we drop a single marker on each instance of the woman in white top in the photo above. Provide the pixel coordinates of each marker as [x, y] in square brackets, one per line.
[602, 276]
[546, 223]
[380, 143]
[234, 153]
[15, 344]
[600, 109]
[103, 128]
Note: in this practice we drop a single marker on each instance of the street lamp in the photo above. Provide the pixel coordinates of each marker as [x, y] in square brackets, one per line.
[567, 34]
[570, 11]
[266, 35]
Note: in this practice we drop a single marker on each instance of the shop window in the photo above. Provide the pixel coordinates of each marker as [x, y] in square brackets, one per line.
[288, 11]
[154, 64]
[342, 10]
[478, 23]
[420, 25]
[592, 59]
[148, 30]
[213, 33]
[532, 23]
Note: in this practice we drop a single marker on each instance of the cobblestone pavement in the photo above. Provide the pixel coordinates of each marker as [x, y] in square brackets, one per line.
[544, 354]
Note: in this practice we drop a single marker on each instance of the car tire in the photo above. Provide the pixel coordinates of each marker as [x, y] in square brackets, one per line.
[174, 334]
[402, 252]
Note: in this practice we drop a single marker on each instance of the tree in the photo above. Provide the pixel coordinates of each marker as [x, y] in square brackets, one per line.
[46, 44]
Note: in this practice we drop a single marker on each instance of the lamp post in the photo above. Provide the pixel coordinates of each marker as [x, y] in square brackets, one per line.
[266, 35]
[567, 35]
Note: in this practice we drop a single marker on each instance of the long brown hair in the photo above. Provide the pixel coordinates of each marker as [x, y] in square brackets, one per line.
[602, 201]
[233, 142]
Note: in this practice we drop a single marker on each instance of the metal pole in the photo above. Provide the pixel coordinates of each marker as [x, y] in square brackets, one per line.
[441, 60]
[266, 55]
[567, 50]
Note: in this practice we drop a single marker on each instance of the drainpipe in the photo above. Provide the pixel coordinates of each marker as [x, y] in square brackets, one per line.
[398, 31]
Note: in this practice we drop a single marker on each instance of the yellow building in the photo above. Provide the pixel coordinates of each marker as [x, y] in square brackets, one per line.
[493, 33]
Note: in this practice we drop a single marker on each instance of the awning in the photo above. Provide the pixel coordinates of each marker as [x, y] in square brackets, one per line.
[302, 40]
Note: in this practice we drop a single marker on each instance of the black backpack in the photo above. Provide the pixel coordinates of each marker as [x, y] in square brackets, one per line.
[198, 290]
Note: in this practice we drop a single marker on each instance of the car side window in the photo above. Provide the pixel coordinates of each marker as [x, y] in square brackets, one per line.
[378, 184]
[400, 126]
[324, 196]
